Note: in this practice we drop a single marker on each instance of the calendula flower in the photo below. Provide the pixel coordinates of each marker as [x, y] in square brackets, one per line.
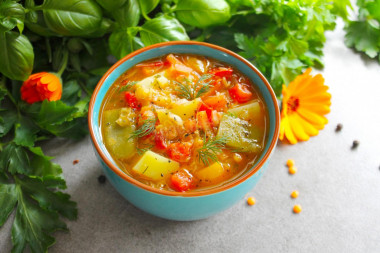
[41, 86]
[304, 104]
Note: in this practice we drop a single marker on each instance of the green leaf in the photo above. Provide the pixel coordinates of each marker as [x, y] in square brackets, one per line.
[128, 14]
[297, 47]
[7, 201]
[72, 17]
[54, 113]
[36, 23]
[111, 5]
[71, 92]
[33, 225]
[15, 159]
[74, 129]
[12, 14]
[7, 120]
[49, 172]
[363, 37]
[16, 56]
[203, 13]
[123, 42]
[47, 199]
[146, 6]
[161, 29]
[25, 132]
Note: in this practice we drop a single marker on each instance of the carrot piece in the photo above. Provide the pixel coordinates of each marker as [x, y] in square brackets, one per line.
[240, 93]
[180, 151]
[181, 181]
[177, 67]
[217, 102]
[160, 141]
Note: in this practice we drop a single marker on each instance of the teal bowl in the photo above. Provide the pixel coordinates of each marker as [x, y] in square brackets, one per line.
[193, 205]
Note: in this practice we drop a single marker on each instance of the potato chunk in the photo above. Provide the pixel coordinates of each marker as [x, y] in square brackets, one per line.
[211, 172]
[155, 166]
[187, 109]
[116, 137]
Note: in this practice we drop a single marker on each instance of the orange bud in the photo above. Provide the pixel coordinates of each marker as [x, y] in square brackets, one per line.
[41, 86]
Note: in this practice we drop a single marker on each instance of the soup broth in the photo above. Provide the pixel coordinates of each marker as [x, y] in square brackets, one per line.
[184, 122]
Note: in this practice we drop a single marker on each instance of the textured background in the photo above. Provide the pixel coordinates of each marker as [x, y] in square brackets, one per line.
[339, 187]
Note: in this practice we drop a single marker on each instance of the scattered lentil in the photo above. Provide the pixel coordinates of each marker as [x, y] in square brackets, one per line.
[292, 170]
[290, 163]
[251, 201]
[355, 144]
[297, 209]
[102, 179]
[294, 194]
[75, 162]
[338, 127]
[237, 158]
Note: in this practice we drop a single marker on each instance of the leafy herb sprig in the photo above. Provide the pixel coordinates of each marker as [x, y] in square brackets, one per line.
[191, 90]
[143, 149]
[211, 148]
[145, 129]
[127, 87]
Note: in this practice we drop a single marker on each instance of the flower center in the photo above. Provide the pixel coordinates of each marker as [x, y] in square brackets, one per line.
[293, 103]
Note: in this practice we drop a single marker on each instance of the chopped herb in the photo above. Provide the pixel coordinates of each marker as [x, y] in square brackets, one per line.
[145, 129]
[142, 150]
[127, 86]
[145, 169]
[191, 90]
[211, 148]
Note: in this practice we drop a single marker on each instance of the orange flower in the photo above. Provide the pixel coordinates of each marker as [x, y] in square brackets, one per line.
[304, 103]
[41, 86]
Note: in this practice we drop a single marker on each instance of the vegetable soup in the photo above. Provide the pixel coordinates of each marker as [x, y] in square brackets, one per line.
[184, 122]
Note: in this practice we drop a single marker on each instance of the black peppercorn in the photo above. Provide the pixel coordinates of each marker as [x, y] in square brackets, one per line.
[355, 144]
[338, 127]
[102, 179]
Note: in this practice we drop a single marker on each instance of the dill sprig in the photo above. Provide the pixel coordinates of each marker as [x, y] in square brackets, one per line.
[145, 129]
[126, 87]
[143, 149]
[191, 90]
[211, 148]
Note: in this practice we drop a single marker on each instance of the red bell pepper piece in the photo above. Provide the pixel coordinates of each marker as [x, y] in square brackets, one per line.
[131, 100]
[181, 181]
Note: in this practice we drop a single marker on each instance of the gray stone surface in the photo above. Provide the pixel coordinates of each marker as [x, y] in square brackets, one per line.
[339, 187]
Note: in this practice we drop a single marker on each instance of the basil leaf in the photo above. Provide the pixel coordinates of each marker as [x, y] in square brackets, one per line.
[36, 23]
[202, 13]
[71, 92]
[128, 14]
[16, 55]
[74, 129]
[162, 28]
[147, 6]
[7, 201]
[111, 5]
[72, 17]
[123, 42]
[12, 14]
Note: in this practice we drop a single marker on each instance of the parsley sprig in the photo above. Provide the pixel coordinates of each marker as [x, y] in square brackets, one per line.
[191, 90]
[211, 148]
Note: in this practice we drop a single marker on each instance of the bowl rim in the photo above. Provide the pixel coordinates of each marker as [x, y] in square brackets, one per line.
[213, 190]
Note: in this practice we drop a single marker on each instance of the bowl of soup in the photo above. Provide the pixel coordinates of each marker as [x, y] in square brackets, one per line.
[183, 130]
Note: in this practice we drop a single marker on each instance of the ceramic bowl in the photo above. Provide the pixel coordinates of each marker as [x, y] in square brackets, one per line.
[177, 205]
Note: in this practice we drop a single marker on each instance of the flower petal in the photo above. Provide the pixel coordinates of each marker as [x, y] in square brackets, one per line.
[289, 132]
[317, 120]
[316, 108]
[297, 128]
[309, 128]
